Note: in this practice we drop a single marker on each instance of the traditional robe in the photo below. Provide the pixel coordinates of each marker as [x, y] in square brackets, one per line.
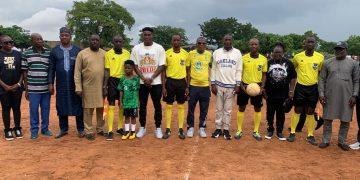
[62, 63]
[338, 82]
[89, 77]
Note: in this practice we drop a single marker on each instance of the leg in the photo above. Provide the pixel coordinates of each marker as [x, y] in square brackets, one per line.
[270, 112]
[242, 101]
[64, 123]
[219, 103]
[204, 106]
[301, 123]
[45, 111]
[143, 95]
[257, 103]
[99, 120]
[5, 104]
[16, 105]
[80, 123]
[34, 103]
[180, 99]
[155, 93]
[343, 132]
[194, 96]
[88, 113]
[327, 130]
[228, 104]
[280, 117]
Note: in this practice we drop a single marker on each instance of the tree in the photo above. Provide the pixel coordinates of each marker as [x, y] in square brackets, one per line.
[354, 45]
[102, 17]
[19, 35]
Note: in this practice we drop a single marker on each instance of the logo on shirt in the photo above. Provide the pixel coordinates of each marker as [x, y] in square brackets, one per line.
[198, 66]
[259, 67]
[315, 66]
[147, 60]
[9, 61]
[182, 62]
[278, 72]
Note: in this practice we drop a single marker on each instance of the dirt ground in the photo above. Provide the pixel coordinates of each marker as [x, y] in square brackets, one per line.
[192, 158]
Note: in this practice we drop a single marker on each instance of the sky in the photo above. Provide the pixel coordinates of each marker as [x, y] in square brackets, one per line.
[332, 20]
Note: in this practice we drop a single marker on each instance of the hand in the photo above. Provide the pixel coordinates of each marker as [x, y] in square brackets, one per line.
[105, 91]
[187, 92]
[214, 89]
[79, 93]
[27, 95]
[291, 94]
[51, 89]
[237, 89]
[7, 88]
[262, 91]
[164, 92]
[243, 87]
[147, 81]
[264, 95]
[352, 101]
[322, 100]
[14, 87]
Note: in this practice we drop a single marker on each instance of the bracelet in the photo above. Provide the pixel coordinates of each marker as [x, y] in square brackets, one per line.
[18, 84]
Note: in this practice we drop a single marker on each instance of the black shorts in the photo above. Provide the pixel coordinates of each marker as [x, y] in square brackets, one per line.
[306, 95]
[131, 112]
[243, 99]
[113, 92]
[175, 89]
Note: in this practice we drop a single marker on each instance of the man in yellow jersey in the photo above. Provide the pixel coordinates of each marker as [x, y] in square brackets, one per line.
[175, 87]
[197, 68]
[254, 71]
[114, 70]
[308, 65]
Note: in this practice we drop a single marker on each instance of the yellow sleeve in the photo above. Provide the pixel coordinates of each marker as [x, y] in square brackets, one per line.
[107, 61]
[265, 69]
[188, 60]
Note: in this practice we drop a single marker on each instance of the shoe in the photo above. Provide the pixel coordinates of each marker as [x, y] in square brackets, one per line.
[319, 123]
[120, 131]
[47, 133]
[158, 133]
[202, 132]
[101, 133]
[280, 136]
[296, 130]
[227, 135]
[18, 133]
[291, 137]
[167, 133]
[9, 136]
[90, 137]
[269, 135]
[257, 136]
[61, 134]
[110, 136]
[190, 132]
[81, 134]
[324, 145]
[344, 147]
[140, 133]
[311, 140]
[216, 133]
[34, 136]
[181, 133]
[132, 135]
[126, 135]
[355, 146]
[238, 135]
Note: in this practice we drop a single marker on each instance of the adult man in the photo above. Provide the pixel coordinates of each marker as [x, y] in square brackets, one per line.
[308, 65]
[10, 87]
[114, 70]
[68, 103]
[175, 87]
[89, 80]
[149, 58]
[225, 82]
[198, 67]
[338, 89]
[254, 71]
[35, 64]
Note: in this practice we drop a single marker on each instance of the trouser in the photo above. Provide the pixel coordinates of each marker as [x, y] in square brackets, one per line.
[327, 130]
[201, 95]
[88, 114]
[358, 117]
[36, 100]
[301, 123]
[155, 93]
[275, 107]
[11, 100]
[64, 123]
[224, 103]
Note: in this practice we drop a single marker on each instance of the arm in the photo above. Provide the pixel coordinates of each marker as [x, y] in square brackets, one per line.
[51, 72]
[159, 70]
[214, 71]
[322, 84]
[121, 93]
[77, 75]
[238, 74]
[355, 79]
[106, 80]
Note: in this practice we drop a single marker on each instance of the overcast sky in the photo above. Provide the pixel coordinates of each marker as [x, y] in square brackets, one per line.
[333, 20]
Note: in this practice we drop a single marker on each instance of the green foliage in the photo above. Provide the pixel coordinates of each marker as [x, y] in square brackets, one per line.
[354, 45]
[19, 35]
[103, 17]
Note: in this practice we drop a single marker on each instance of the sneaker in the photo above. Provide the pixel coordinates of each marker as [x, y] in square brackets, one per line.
[202, 132]
[120, 131]
[269, 135]
[280, 136]
[9, 136]
[81, 134]
[355, 146]
[47, 133]
[190, 132]
[227, 135]
[216, 133]
[311, 140]
[324, 145]
[126, 135]
[34, 136]
[110, 136]
[238, 135]
[344, 147]
[181, 133]
[18, 134]
[132, 135]
[296, 130]
[61, 134]
[291, 137]
[167, 133]
[257, 136]
[140, 133]
[90, 137]
[158, 133]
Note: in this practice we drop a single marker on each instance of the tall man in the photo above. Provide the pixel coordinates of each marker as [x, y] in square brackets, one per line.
[114, 70]
[175, 87]
[198, 68]
[338, 89]
[89, 81]
[254, 71]
[308, 65]
[225, 82]
[149, 58]
[68, 103]
[35, 64]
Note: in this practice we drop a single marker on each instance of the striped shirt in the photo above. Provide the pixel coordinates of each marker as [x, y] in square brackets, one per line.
[37, 65]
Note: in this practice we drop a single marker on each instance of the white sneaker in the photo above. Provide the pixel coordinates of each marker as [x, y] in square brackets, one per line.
[355, 146]
[141, 132]
[158, 133]
[190, 132]
[202, 132]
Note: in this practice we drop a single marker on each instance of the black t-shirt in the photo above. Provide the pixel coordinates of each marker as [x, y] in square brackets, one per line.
[10, 68]
[278, 77]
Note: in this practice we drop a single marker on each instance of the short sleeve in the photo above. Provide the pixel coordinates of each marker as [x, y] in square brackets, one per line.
[265, 69]
[161, 56]
[133, 56]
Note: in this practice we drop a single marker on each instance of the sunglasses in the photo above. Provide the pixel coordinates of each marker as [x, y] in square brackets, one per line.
[199, 43]
[8, 42]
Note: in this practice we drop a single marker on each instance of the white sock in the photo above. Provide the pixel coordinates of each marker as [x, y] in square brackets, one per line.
[133, 127]
[127, 127]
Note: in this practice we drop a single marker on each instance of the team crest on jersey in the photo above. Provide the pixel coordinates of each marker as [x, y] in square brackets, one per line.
[198, 65]
[315, 66]
[259, 67]
[182, 62]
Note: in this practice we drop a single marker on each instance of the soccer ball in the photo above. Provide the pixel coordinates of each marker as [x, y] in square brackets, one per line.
[253, 89]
